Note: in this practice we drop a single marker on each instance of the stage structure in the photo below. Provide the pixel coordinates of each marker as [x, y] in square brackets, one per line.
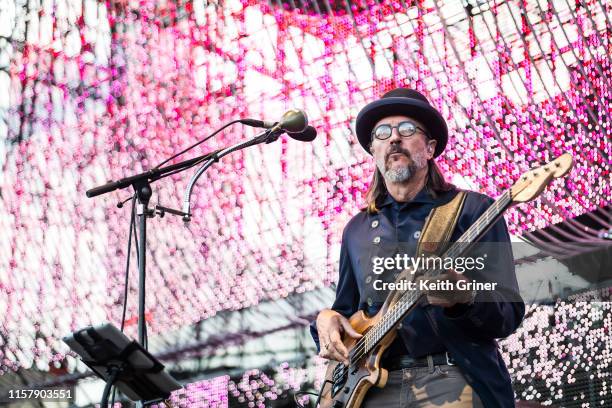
[93, 91]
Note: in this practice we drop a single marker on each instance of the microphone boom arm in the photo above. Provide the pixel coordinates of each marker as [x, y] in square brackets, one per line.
[268, 136]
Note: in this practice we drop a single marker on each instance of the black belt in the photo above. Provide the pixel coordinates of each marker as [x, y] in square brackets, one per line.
[400, 362]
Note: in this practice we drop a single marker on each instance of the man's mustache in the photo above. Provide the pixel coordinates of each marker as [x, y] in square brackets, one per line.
[397, 149]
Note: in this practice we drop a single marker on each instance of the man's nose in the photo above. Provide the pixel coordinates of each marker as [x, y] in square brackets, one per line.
[395, 136]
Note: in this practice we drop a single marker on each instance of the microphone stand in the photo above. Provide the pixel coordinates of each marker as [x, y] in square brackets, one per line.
[142, 186]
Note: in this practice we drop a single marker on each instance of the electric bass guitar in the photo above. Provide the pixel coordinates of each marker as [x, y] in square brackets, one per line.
[346, 385]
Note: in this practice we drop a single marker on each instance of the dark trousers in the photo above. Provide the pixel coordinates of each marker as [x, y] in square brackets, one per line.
[439, 386]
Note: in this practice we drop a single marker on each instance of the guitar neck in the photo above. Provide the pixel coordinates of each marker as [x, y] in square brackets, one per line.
[480, 227]
[408, 300]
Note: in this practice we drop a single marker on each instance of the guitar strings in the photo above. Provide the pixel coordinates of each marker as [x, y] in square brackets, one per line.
[367, 342]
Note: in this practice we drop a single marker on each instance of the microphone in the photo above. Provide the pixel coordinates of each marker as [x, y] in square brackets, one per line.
[293, 121]
[307, 135]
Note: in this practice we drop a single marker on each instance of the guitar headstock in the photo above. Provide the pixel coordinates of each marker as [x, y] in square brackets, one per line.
[531, 184]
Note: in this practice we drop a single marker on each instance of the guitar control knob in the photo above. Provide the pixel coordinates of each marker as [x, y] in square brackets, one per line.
[338, 404]
[346, 389]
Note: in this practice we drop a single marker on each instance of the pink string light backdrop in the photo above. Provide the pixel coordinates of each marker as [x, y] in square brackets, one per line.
[96, 91]
[205, 393]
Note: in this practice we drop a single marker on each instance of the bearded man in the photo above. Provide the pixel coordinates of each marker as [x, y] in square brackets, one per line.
[445, 353]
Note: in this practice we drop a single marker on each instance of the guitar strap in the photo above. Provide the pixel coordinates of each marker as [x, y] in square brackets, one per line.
[439, 226]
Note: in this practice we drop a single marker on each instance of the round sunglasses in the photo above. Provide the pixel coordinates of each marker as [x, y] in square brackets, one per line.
[405, 129]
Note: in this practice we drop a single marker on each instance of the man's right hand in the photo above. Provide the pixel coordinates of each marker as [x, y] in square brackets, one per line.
[331, 325]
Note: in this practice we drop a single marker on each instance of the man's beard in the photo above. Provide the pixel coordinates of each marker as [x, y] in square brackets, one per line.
[404, 173]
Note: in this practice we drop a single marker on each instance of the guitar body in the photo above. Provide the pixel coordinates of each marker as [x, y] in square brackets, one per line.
[349, 392]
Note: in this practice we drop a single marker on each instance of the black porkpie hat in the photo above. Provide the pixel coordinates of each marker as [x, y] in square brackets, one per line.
[402, 101]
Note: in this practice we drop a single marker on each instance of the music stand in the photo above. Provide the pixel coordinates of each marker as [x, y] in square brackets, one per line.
[122, 362]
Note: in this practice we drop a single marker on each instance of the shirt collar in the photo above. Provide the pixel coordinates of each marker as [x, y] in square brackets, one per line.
[423, 197]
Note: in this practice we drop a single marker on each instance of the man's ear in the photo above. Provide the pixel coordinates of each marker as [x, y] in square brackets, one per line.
[431, 148]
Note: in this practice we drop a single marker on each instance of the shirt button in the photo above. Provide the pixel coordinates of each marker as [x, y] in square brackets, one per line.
[370, 301]
[368, 279]
[374, 223]
[376, 240]
[417, 234]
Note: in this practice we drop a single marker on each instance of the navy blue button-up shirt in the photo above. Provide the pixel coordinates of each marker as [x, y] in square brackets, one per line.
[467, 332]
